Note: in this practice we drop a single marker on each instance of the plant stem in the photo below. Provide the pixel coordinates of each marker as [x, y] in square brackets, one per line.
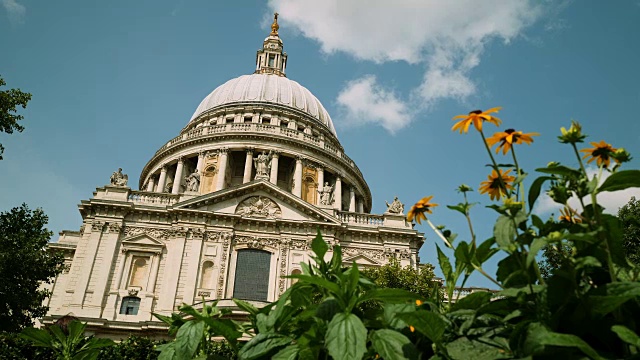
[473, 235]
[439, 234]
[520, 192]
[503, 186]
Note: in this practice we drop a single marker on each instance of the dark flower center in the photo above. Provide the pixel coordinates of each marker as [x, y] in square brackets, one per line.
[510, 131]
[476, 112]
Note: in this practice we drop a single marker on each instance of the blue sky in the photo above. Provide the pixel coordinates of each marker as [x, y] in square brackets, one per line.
[113, 81]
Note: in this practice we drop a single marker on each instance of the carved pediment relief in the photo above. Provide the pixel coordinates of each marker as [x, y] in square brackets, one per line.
[142, 242]
[361, 259]
[259, 207]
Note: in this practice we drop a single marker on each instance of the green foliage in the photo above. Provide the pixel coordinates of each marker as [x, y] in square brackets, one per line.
[629, 216]
[66, 345]
[420, 281]
[9, 101]
[25, 264]
[134, 347]
[13, 347]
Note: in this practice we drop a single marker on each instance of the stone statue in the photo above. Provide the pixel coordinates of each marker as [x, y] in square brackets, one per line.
[396, 207]
[326, 194]
[262, 164]
[193, 181]
[168, 186]
[119, 179]
[259, 206]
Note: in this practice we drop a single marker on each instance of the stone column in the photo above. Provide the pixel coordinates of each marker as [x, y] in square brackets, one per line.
[352, 199]
[361, 206]
[320, 178]
[248, 166]
[109, 245]
[177, 179]
[337, 193]
[223, 158]
[274, 167]
[163, 179]
[200, 161]
[151, 183]
[297, 178]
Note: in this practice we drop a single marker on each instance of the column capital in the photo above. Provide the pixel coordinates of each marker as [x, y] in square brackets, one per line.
[181, 159]
[164, 167]
[300, 158]
[223, 150]
[201, 153]
[275, 153]
[250, 149]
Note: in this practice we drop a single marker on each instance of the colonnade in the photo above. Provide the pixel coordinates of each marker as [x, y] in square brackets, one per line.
[355, 204]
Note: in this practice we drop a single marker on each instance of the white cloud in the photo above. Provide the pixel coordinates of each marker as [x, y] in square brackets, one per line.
[15, 11]
[611, 201]
[447, 38]
[365, 101]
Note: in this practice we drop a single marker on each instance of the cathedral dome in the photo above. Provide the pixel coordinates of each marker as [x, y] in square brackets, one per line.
[266, 88]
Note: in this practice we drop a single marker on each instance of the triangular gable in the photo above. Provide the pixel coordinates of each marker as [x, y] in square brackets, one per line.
[142, 242]
[228, 201]
[360, 259]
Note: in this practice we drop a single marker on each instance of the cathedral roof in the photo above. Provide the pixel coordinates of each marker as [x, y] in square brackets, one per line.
[266, 88]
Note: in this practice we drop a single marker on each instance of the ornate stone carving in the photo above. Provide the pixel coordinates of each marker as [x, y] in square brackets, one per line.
[262, 164]
[326, 194]
[115, 227]
[396, 207]
[260, 207]
[299, 244]
[255, 242]
[197, 234]
[179, 232]
[168, 186]
[204, 293]
[193, 181]
[223, 150]
[133, 292]
[118, 178]
[97, 225]
[283, 268]
[370, 253]
[226, 242]
[154, 233]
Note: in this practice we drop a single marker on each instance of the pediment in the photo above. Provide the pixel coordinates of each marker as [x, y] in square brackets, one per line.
[361, 260]
[258, 200]
[142, 242]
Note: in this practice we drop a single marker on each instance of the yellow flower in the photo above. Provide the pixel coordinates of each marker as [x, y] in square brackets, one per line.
[412, 328]
[477, 117]
[509, 137]
[573, 135]
[494, 187]
[567, 215]
[418, 302]
[417, 211]
[601, 152]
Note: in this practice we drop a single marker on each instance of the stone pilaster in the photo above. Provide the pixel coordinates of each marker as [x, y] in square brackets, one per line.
[337, 193]
[175, 250]
[200, 161]
[352, 199]
[320, 178]
[194, 255]
[109, 245]
[83, 272]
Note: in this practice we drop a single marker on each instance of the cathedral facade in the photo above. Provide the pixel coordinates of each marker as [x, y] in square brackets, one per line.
[225, 210]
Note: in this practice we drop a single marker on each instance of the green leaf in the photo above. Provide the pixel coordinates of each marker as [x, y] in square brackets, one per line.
[626, 335]
[484, 252]
[465, 348]
[261, 345]
[319, 246]
[328, 309]
[346, 337]
[38, 337]
[557, 169]
[390, 312]
[473, 300]
[252, 310]
[223, 327]
[188, 339]
[534, 190]
[392, 345]
[505, 232]
[428, 323]
[317, 280]
[288, 353]
[168, 351]
[621, 180]
[514, 292]
[389, 295]
[462, 257]
[536, 245]
[609, 297]
[445, 265]
[539, 338]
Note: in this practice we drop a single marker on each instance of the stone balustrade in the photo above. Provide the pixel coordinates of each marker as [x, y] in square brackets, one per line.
[360, 218]
[153, 198]
[261, 128]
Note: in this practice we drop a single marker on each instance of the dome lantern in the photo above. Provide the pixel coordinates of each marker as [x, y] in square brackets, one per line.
[271, 59]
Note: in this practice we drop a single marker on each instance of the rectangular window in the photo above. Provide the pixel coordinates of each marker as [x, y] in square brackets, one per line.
[272, 59]
[130, 305]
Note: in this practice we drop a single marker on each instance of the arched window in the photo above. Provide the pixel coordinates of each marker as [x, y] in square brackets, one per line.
[295, 272]
[139, 267]
[206, 281]
[252, 275]
[130, 305]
